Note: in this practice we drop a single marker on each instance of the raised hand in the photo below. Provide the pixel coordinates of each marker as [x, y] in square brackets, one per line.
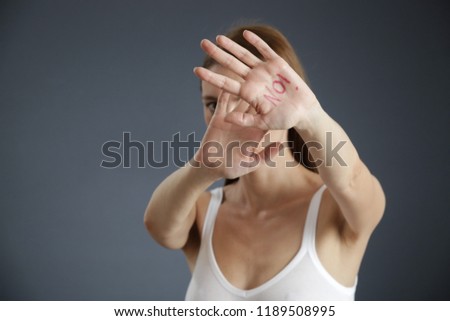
[271, 87]
[229, 149]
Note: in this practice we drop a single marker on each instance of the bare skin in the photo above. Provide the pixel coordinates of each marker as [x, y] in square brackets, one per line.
[260, 222]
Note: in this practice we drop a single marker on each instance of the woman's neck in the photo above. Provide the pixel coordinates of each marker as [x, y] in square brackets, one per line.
[268, 185]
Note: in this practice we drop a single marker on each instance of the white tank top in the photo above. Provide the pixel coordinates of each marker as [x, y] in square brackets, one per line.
[303, 278]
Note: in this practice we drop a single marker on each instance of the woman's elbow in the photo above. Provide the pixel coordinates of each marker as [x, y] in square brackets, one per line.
[162, 237]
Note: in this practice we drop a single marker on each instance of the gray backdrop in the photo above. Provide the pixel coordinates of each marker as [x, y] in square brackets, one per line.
[76, 74]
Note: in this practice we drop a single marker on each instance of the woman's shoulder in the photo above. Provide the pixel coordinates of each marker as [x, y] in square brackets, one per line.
[201, 208]
[203, 202]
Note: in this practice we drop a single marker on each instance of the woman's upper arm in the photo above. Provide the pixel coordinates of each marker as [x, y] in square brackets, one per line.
[362, 203]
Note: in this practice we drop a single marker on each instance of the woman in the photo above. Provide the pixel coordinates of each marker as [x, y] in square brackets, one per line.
[294, 225]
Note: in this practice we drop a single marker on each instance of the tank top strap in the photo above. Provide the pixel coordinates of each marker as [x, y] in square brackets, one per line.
[309, 232]
[211, 212]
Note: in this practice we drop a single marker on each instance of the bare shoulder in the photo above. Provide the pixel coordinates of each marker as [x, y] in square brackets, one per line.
[193, 243]
[202, 206]
[332, 220]
[339, 252]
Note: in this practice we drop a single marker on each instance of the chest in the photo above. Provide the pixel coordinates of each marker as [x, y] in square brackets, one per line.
[252, 249]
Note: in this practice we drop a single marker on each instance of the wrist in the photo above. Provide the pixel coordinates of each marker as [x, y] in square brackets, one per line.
[310, 117]
[198, 169]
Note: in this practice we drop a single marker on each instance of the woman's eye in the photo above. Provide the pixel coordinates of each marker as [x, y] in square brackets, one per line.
[211, 106]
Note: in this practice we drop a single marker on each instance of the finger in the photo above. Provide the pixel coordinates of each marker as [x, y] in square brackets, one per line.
[240, 52]
[241, 107]
[230, 85]
[260, 44]
[232, 103]
[246, 120]
[222, 103]
[225, 59]
[251, 110]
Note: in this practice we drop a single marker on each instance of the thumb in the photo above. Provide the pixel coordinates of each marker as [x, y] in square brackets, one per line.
[222, 103]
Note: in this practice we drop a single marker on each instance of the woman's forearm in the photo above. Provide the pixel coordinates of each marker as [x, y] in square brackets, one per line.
[171, 211]
[357, 192]
[336, 158]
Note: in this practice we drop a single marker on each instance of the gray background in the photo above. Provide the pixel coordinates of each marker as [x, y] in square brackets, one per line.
[75, 74]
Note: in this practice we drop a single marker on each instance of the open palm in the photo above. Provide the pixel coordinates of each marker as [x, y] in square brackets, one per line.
[271, 87]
